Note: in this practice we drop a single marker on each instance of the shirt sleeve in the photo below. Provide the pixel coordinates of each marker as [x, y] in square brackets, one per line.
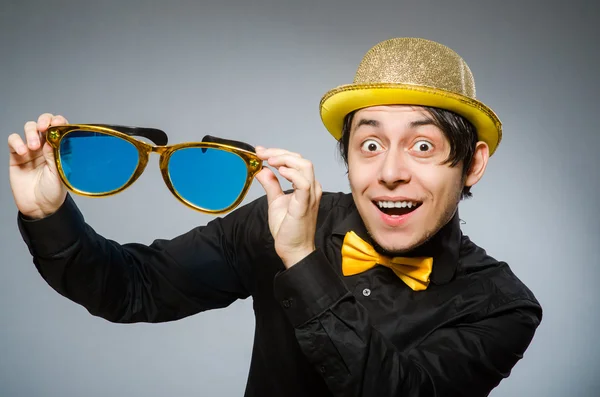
[334, 332]
[205, 268]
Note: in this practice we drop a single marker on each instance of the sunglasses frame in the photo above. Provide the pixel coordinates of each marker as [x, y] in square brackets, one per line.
[55, 134]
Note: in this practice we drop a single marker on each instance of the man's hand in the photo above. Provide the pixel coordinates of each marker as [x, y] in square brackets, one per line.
[292, 217]
[34, 180]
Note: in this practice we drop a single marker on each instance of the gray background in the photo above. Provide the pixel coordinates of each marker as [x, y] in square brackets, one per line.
[255, 71]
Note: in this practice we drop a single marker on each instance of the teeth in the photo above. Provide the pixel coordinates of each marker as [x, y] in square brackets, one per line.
[396, 204]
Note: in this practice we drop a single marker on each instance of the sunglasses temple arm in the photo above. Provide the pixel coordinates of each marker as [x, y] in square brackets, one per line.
[237, 144]
[159, 137]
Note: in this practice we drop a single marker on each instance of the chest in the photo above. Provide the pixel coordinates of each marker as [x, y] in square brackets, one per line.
[404, 316]
[401, 315]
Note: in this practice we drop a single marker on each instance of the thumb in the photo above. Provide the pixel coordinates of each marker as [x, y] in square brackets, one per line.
[270, 183]
[48, 153]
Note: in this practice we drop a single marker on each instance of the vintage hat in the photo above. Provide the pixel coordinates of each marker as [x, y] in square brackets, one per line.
[412, 71]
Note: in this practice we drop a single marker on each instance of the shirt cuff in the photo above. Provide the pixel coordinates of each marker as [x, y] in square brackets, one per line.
[55, 233]
[308, 288]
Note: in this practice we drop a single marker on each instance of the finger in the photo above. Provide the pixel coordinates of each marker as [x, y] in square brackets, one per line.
[302, 200]
[264, 153]
[302, 187]
[270, 183]
[303, 165]
[32, 135]
[295, 177]
[58, 120]
[289, 160]
[44, 121]
[318, 190]
[16, 145]
[48, 152]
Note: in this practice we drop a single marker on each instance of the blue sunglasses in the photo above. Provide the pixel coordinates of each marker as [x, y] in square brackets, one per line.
[98, 160]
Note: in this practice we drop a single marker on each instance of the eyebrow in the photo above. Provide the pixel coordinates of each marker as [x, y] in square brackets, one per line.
[370, 122]
[422, 122]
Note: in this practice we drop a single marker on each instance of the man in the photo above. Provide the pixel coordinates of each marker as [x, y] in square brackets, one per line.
[376, 293]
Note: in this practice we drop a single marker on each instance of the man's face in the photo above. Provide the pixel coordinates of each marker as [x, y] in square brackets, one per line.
[403, 190]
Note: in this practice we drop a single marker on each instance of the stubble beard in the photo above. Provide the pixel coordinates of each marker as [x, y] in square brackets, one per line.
[427, 235]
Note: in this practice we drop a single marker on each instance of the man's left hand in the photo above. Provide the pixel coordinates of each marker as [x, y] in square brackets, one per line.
[293, 216]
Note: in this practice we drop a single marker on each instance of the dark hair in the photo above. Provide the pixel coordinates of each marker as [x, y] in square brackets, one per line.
[459, 131]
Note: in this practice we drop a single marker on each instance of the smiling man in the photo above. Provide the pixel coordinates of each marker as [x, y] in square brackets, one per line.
[373, 293]
[403, 185]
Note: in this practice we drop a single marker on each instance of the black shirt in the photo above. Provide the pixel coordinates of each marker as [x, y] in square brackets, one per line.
[318, 333]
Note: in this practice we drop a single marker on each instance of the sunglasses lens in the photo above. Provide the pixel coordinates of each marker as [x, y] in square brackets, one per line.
[97, 163]
[208, 178]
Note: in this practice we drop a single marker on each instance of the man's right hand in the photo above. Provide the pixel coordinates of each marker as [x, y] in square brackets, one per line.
[37, 188]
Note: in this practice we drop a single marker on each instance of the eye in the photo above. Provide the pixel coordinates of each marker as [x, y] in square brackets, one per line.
[422, 146]
[371, 145]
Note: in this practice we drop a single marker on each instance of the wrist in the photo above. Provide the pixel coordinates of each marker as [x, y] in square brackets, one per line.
[42, 211]
[291, 258]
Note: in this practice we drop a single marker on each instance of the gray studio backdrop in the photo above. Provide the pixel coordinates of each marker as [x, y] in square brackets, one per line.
[255, 71]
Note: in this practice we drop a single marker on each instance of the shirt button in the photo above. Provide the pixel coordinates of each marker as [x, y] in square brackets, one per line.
[287, 303]
[322, 369]
[366, 292]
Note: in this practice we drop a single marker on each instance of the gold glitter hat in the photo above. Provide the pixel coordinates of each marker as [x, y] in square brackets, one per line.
[412, 71]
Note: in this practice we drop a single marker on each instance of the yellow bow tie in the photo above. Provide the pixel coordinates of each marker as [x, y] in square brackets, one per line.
[358, 256]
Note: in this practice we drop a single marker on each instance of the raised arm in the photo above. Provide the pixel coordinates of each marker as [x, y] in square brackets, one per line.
[166, 280]
[163, 281]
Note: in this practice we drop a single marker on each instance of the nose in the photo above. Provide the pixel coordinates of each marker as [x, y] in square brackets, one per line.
[394, 169]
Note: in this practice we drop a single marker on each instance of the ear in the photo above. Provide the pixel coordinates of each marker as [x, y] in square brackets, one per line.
[478, 164]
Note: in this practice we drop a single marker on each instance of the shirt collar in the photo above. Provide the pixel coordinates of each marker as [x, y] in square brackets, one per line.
[444, 246]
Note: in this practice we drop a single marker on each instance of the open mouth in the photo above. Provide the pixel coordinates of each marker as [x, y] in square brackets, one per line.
[397, 208]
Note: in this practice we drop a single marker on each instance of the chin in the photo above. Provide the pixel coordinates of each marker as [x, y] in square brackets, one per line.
[398, 243]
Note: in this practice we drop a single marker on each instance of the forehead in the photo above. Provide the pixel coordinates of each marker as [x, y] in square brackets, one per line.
[393, 119]
[396, 122]
[396, 111]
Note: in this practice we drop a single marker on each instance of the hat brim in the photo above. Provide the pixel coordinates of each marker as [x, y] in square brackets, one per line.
[337, 103]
